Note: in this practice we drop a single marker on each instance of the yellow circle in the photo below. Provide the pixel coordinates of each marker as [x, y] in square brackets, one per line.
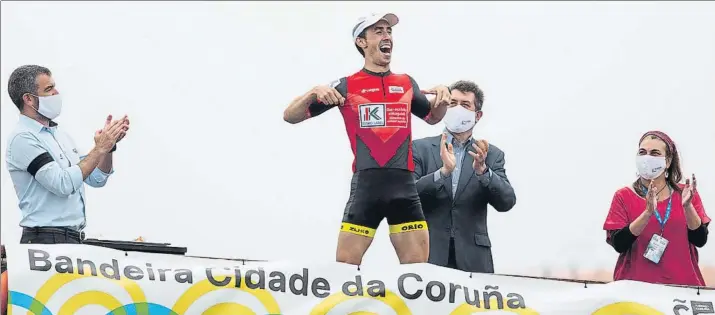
[626, 308]
[203, 287]
[363, 313]
[390, 299]
[54, 283]
[83, 299]
[467, 309]
[228, 309]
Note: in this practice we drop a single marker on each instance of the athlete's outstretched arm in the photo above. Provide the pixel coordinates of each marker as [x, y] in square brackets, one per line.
[317, 101]
[298, 111]
[426, 109]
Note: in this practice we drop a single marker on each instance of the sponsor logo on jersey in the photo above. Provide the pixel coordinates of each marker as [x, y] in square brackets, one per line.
[396, 89]
[372, 115]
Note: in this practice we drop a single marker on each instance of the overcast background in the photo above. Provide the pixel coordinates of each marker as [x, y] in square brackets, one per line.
[210, 164]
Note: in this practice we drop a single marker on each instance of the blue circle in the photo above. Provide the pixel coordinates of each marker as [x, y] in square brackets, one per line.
[27, 302]
[142, 309]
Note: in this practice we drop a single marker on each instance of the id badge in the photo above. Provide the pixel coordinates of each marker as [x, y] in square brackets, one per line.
[656, 248]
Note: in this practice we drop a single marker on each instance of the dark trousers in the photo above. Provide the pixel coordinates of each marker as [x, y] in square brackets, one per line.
[51, 235]
[451, 260]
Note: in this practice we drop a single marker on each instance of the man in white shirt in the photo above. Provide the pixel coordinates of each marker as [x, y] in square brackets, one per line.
[46, 169]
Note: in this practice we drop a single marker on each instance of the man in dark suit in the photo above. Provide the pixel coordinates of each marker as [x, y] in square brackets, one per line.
[457, 177]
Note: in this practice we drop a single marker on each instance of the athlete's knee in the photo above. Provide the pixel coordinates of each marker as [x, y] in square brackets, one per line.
[348, 257]
[411, 241]
[415, 251]
[353, 242]
[350, 250]
[413, 255]
[417, 258]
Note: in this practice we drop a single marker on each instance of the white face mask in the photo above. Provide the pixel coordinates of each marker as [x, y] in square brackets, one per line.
[650, 167]
[50, 106]
[459, 119]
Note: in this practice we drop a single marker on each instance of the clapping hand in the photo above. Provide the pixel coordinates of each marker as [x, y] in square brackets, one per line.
[125, 127]
[113, 131]
[446, 152]
[481, 148]
[651, 198]
[689, 191]
[106, 138]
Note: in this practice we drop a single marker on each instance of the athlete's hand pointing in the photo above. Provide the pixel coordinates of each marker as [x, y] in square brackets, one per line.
[328, 95]
[443, 95]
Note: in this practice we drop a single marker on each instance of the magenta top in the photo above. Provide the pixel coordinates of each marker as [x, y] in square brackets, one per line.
[679, 263]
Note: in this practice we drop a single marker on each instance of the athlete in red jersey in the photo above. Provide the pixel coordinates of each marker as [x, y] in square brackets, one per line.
[376, 106]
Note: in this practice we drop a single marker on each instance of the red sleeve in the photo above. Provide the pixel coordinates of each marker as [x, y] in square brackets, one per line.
[618, 215]
[698, 205]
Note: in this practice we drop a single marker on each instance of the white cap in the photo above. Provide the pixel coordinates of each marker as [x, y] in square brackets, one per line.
[367, 21]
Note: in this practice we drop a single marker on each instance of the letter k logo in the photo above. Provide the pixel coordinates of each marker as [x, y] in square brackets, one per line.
[373, 113]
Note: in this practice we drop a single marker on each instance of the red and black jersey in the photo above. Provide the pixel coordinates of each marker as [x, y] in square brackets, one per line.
[377, 115]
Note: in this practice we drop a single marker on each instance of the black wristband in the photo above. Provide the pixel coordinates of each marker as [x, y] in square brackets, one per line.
[114, 148]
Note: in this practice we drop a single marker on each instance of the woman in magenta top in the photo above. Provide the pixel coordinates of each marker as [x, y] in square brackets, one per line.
[656, 224]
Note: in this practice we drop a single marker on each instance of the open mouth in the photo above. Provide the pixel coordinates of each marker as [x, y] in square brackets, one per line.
[386, 48]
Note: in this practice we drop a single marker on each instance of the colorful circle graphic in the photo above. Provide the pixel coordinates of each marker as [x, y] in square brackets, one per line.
[36, 308]
[203, 287]
[390, 299]
[83, 299]
[626, 308]
[37, 305]
[468, 309]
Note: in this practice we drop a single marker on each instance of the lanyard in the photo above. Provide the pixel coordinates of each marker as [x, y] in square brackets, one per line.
[662, 220]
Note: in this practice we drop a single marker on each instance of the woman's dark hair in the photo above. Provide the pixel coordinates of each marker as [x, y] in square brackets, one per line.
[673, 174]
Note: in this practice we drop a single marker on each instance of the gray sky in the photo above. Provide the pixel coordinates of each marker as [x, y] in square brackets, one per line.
[211, 165]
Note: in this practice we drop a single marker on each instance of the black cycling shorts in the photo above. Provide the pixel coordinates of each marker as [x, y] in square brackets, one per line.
[383, 193]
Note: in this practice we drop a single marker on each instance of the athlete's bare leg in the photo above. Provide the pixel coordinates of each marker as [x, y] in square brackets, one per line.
[411, 247]
[352, 247]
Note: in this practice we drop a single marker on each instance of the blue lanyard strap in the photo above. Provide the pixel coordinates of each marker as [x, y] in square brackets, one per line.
[662, 220]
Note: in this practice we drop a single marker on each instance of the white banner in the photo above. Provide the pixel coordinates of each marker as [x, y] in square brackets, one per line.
[82, 279]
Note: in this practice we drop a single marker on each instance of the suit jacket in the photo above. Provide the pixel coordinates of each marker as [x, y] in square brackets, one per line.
[466, 213]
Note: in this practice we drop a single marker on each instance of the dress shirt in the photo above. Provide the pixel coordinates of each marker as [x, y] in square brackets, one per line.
[460, 150]
[54, 196]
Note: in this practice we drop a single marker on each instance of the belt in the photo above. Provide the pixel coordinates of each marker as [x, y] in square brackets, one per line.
[55, 230]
